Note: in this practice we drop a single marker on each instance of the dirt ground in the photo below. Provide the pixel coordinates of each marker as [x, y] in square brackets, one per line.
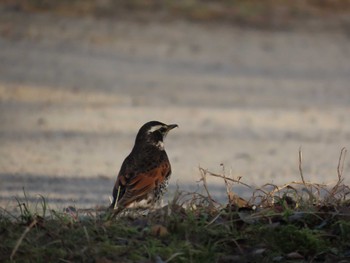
[74, 91]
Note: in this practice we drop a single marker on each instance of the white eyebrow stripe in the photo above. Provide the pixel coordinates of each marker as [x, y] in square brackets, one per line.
[154, 128]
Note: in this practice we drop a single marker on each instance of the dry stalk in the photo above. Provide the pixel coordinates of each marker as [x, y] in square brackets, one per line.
[194, 199]
[312, 197]
[173, 256]
[288, 185]
[340, 169]
[268, 195]
[264, 197]
[225, 178]
[300, 166]
[227, 185]
[20, 240]
[204, 180]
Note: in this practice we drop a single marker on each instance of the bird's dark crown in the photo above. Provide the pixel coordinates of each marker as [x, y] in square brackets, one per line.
[153, 132]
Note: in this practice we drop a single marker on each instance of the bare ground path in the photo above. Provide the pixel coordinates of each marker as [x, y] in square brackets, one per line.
[74, 91]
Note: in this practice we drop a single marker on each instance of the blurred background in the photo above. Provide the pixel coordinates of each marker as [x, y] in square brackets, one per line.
[248, 83]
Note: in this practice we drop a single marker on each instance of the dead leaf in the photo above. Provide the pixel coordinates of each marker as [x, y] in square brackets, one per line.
[295, 255]
[159, 231]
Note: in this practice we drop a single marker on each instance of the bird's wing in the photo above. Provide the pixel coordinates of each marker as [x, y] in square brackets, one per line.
[125, 174]
[142, 184]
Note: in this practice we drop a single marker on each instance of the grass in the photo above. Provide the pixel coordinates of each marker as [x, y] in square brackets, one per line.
[296, 222]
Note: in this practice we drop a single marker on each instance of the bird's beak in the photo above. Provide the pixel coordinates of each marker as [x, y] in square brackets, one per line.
[172, 126]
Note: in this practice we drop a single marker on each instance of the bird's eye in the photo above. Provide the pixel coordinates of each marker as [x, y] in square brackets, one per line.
[162, 130]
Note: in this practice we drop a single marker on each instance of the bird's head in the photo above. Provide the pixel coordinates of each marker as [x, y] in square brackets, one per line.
[154, 132]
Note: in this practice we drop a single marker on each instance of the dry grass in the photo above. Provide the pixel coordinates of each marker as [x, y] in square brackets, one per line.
[298, 221]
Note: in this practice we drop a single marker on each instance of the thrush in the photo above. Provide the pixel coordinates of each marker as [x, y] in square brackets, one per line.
[144, 174]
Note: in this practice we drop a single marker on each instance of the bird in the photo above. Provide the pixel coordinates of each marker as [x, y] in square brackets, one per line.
[145, 172]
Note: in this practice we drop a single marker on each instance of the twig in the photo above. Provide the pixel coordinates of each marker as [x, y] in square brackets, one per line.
[279, 188]
[341, 161]
[312, 197]
[226, 178]
[227, 186]
[340, 169]
[173, 256]
[214, 219]
[204, 179]
[300, 166]
[20, 240]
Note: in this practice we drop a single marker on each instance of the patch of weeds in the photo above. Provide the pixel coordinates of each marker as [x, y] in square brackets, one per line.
[289, 238]
[294, 221]
[341, 232]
